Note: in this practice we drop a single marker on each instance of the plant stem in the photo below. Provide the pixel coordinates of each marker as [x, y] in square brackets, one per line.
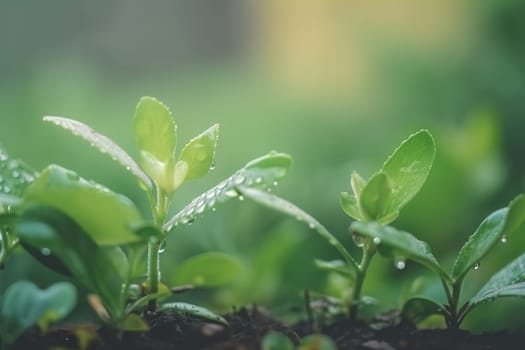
[453, 303]
[368, 253]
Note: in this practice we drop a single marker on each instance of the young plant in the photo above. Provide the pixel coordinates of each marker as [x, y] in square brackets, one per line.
[376, 201]
[24, 305]
[84, 230]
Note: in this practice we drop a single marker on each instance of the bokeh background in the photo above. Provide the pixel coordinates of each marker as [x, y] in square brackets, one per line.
[337, 84]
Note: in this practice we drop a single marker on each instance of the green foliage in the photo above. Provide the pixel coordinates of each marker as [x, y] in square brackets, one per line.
[24, 305]
[278, 341]
[208, 270]
[190, 310]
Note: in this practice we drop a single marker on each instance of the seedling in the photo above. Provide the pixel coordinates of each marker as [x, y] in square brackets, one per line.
[98, 237]
[24, 305]
[377, 201]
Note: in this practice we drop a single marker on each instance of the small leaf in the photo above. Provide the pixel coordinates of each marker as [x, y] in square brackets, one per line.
[338, 266]
[134, 323]
[283, 206]
[24, 305]
[99, 269]
[103, 143]
[276, 341]
[199, 153]
[375, 197]
[155, 129]
[316, 342]
[350, 206]
[262, 172]
[357, 183]
[208, 270]
[15, 175]
[106, 216]
[408, 167]
[509, 281]
[194, 311]
[419, 308]
[401, 244]
[501, 222]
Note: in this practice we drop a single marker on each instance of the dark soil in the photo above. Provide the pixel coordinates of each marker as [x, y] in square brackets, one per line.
[248, 326]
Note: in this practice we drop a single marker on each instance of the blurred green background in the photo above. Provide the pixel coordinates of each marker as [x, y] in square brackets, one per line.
[337, 84]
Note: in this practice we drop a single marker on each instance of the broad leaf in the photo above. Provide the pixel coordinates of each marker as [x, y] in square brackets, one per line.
[199, 153]
[316, 342]
[155, 129]
[263, 172]
[419, 308]
[15, 175]
[396, 243]
[103, 143]
[190, 310]
[25, 305]
[408, 167]
[498, 224]
[106, 216]
[281, 205]
[208, 270]
[276, 341]
[509, 281]
[101, 270]
[375, 198]
[350, 206]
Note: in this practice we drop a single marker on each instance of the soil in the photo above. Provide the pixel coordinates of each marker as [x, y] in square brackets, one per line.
[248, 326]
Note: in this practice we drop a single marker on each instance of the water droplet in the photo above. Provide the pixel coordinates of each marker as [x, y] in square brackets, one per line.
[241, 197]
[7, 189]
[376, 240]
[210, 194]
[400, 264]
[222, 185]
[200, 208]
[269, 189]
[238, 179]
[311, 225]
[358, 239]
[212, 166]
[45, 251]
[12, 165]
[128, 168]
[504, 239]
[213, 209]
[275, 183]
[476, 266]
[332, 241]
[231, 193]
[162, 246]
[15, 174]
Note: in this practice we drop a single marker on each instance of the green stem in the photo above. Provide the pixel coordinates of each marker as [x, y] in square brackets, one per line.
[368, 253]
[453, 303]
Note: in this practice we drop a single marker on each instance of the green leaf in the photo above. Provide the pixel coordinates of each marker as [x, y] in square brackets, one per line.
[509, 281]
[15, 175]
[400, 244]
[316, 342]
[101, 270]
[25, 305]
[155, 129]
[208, 270]
[276, 341]
[134, 323]
[106, 216]
[199, 153]
[104, 144]
[375, 198]
[193, 311]
[419, 308]
[263, 172]
[498, 224]
[338, 266]
[283, 206]
[408, 168]
[350, 206]
[357, 183]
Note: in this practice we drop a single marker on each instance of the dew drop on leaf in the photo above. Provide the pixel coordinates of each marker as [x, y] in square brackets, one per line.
[400, 264]
[504, 239]
[476, 266]
[45, 251]
[358, 239]
[376, 240]
[241, 197]
[162, 246]
[311, 225]
[212, 166]
[275, 183]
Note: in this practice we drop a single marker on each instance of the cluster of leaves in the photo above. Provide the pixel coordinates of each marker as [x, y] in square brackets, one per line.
[376, 202]
[100, 238]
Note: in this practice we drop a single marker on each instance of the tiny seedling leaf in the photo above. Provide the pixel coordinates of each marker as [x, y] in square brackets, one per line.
[25, 305]
[262, 172]
[103, 143]
[134, 323]
[509, 281]
[419, 308]
[499, 223]
[283, 206]
[357, 183]
[350, 206]
[375, 198]
[398, 243]
[199, 153]
[316, 342]
[208, 270]
[101, 270]
[15, 176]
[106, 216]
[190, 310]
[408, 168]
[276, 341]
